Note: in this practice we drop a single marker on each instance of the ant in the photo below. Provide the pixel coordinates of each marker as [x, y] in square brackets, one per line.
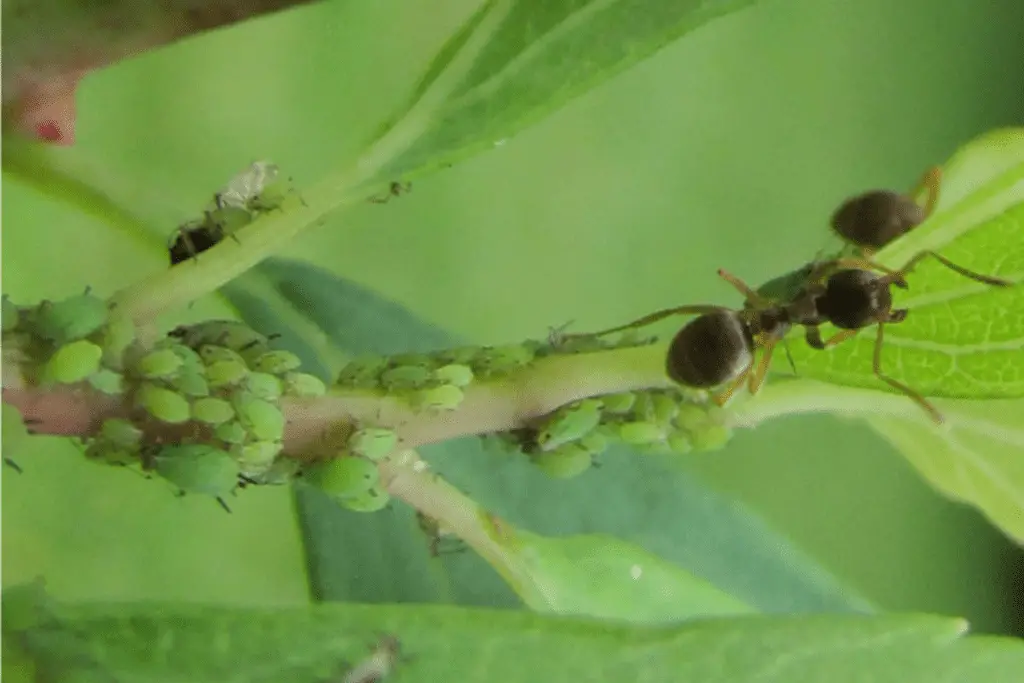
[873, 219]
[719, 346]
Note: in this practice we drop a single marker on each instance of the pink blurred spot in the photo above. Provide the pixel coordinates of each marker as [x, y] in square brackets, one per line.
[46, 109]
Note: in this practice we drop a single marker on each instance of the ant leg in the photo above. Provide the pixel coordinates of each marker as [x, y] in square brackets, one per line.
[930, 182]
[757, 376]
[649, 319]
[837, 338]
[910, 393]
[986, 279]
[722, 398]
[743, 288]
[789, 356]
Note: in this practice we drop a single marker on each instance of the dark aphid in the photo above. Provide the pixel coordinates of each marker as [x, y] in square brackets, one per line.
[873, 219]
[194, 238]
[395, 189]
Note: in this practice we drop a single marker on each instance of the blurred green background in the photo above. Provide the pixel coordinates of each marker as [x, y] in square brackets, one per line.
[727, 149]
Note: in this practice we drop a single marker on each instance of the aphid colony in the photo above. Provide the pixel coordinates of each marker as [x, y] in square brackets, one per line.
[718, 348]
[257, 190]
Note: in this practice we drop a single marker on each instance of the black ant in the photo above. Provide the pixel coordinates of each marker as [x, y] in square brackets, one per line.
[719, 346]
[873, 219]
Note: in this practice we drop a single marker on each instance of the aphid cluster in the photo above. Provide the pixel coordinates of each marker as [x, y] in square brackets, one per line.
[429, 382]
[350, 474]
[222, 382]
[564, 443]
[719, 346]
[75, 340]
[256, 190]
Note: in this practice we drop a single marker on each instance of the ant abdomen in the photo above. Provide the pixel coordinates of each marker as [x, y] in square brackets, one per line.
[710, 350]
[875, 218]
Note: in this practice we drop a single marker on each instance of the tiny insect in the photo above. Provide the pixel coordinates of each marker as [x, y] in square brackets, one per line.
[873, 219]
[69, 319]
[193, 238]
[241, 189]
[395, 189]
[73, 362]
[197, 468]
[436, 534]
[381, 662]
[569, 423]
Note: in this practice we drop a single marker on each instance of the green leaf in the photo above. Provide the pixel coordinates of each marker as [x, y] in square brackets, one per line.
[183, 642]
[660, 509]
[515, 61]
[961, 339]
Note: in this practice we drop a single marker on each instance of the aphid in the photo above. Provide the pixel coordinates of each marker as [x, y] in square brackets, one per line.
[256, 458]
[303, 385]
[263, 385]
[263, 419]
[225, 373]
[159, 364]
[595, 442]
[212, 411]
[455, 374]
[373, 443]
[500, 360]
[241, 189]
[640, 433]
[163, 404]
[343, 476]
[107, 381]
[193, 238]
[230, 333]
[276, 362]
[570, 423]
[120, 432]
[198, 468]
[73, 362]
[406, 377]
[874, 219]
[679, 443]
[395, 189]
[191, 383]
[214, 353]
[117, 336]
[438, 399]
[230, 432]
[372, 500]
[565, 462]
[362, 372]
[381, 662]
[619, 403]
[69, 319]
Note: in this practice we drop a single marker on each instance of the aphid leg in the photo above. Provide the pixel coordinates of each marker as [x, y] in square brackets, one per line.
[913, 395]
[721, 398]
[14, 466]
[986, 279]
[756, 377]
[743, 288]
[223, 504]
[930, 183]
[650, 319]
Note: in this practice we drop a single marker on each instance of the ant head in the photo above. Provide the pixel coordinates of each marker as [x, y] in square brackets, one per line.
[875, 218]
[710, 350]
[856, 298]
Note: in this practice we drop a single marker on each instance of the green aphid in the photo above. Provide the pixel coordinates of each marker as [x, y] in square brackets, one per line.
[373, 442]
[212, 353]
[679, 442]
[230, 333]
[401, 359]
[281, 471]
[566, 462]
[639, 433]
[163, 404]
[102, 452]
[343, 476]
[212, 411]
[372, 500]
[691, 417]
[191, 383]
[190, 358]
[455, 374]
[198, 468]
[115, 339]
[11, 315]
[643, 407]
[277, 362]
[362, 372]
[438, 399]
[107, 381]
[303, 385]
[710, 438]
[120, 432]
[159, 364]
[73, 362]
[263, 385]
[570, 423]
[619, 404]
[256, 458]
[225, 373]
[665, 408]
[263, 419]
[502, 359]
[228, 220]
[70, 319]
[406, 377]
[461, 356]
[274, 196]
[231, 432]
